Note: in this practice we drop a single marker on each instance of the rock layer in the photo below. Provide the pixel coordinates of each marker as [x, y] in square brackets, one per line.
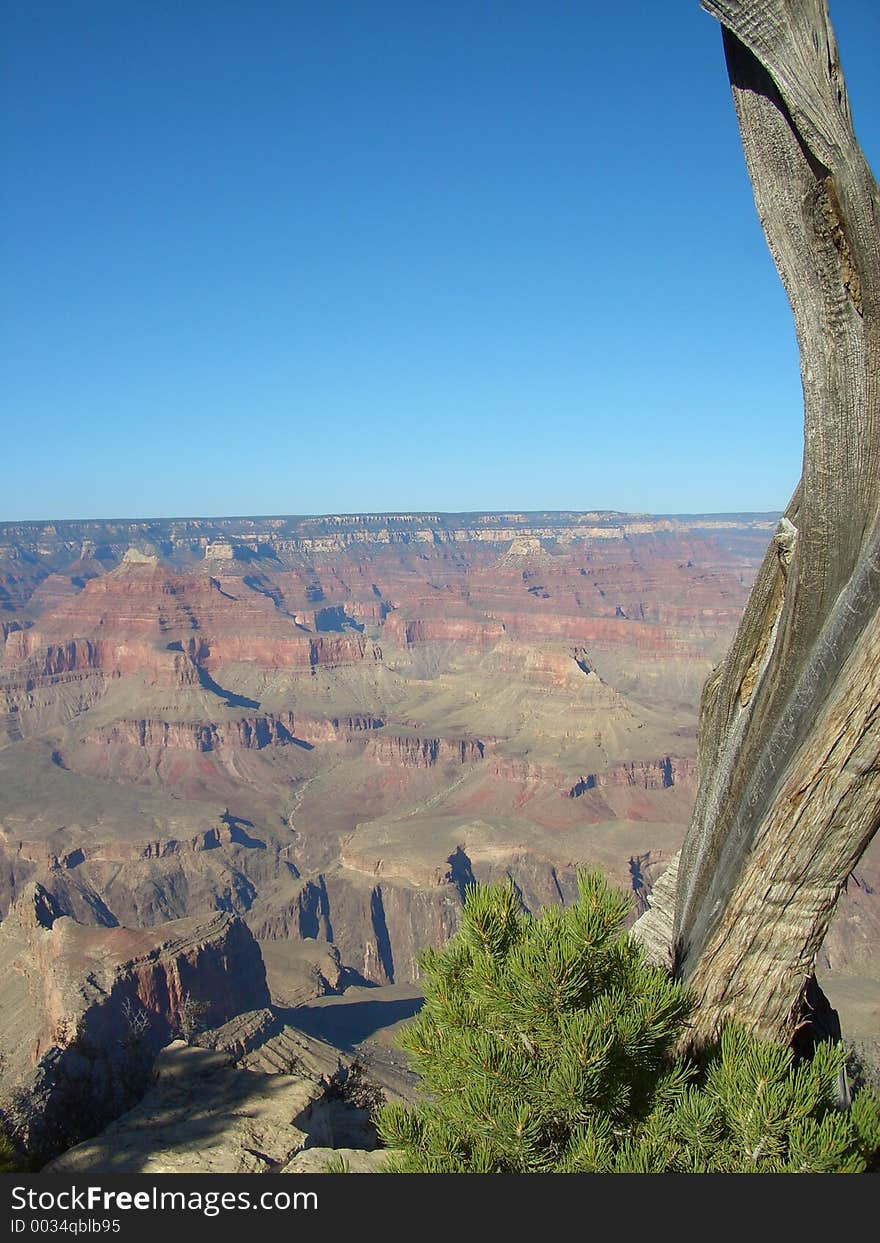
[91, 1005]
[330, 726]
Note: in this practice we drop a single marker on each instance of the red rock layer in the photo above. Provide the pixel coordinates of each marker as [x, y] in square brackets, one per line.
[408, 752]
[145, 619]
[247, 733]
[660, 774]
[86, 974]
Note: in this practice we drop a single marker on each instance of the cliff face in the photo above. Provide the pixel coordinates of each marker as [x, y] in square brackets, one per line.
[90, 1006]
[329, 727]
[659, 774]
[408, 752]
[335, 729]
[479, 632]
[200, 536]
[247, 733]
[253, 1126]
[88, 974]
[147, 619]
[379, 928]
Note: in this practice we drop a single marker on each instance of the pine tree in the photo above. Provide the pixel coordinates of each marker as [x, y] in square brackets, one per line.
[545, 1045]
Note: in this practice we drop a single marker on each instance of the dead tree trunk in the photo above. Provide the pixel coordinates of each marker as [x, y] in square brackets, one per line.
[789, 747]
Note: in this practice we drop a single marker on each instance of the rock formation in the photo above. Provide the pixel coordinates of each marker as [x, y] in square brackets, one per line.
[204, 1115]
[86, 1008]
[327, 728]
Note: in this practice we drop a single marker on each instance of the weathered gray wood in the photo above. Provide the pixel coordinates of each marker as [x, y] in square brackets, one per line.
[789, 746]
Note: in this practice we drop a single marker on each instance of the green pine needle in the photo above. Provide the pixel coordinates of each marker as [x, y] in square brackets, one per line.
[546, 1045]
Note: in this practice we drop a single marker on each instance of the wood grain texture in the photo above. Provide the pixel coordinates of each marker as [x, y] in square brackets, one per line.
[788, 796]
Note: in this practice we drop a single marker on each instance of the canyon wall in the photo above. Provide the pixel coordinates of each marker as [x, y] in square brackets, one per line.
[328, 727]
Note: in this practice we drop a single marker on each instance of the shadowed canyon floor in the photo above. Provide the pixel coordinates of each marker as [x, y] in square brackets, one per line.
[329, 727]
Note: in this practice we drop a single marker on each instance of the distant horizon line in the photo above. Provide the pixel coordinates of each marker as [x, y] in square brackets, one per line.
[397, 514]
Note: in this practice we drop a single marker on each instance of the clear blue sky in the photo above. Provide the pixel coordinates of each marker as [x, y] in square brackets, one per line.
[279, 256]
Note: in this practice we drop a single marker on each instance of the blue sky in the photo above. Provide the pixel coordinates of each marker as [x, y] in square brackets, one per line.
[280, 256]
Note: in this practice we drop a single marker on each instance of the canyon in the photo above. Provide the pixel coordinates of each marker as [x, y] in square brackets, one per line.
[311, 734]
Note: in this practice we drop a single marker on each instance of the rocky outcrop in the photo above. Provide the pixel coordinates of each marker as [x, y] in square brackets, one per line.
[385, 905]
[247, 733]
[510, 768]
[380, 928]
[141, 619]
[139, 697]
[55, 657]
[303, 912]
[299, 971]
[477, 632]
[617, 630]
[241, 1034]
[88, 974]
[335, 729]
[33, 703]
[98, 1002]
[44, 662]
[411, 752]
[644, 871]
[659, 774]
[337, 1161]
[227, 832]
[201, 1116]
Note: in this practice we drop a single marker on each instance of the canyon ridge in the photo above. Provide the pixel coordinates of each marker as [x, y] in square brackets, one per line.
[275, 751]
